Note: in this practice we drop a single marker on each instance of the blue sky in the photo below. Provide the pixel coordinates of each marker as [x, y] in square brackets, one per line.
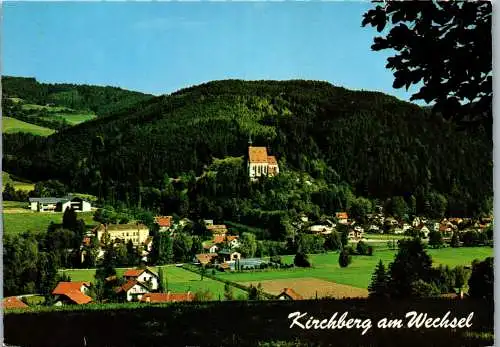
[160, 47]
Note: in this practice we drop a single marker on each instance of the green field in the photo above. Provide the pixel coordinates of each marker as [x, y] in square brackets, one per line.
[15, 204]
[16, 223]
[18, 185]
[71, 118]
[358, 273]
[12, 125]
[179, 280]
[29, 107]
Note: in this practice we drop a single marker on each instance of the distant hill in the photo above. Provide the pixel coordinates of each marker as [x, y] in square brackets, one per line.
[380, 145]
[99, 100]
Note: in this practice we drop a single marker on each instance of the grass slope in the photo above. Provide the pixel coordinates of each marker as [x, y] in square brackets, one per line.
[15, 223]
[358, 273]
[17, 183]
[12, 125]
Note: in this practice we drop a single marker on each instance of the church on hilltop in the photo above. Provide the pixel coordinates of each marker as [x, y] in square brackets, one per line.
[260, 163]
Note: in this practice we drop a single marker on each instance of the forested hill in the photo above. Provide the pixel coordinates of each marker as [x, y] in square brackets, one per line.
[101, 100]
[378, 144]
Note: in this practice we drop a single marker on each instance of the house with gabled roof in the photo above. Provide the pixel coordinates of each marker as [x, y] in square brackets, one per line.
[231, 240]
[217, 229]
[72, 293]
[13, 302]
[342, 217]
[260, 163]
[144, 276]
[164, 222]
[157, 298]
[135, 232]
[205, 258]
[132, 290]
[289, 294]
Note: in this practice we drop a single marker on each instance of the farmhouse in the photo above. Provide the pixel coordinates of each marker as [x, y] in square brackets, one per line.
[260, 163]
[137, 233]
[232, 241]
[59, 204]
[143, 276]
[228, 255]
[155, 298]
[132, 290]
[71, 293]
[205, 258]
[342, 217]
[210, 248]
[164, 222]
[289, 294]
[13, 302]
[318, 228]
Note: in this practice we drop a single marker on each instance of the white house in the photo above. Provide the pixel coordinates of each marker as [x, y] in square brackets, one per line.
[316, 229]
[143, 276]
[133, 290]
[135, 232]
[59, 204]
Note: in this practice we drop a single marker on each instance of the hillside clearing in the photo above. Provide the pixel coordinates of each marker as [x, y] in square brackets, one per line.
[17, 223]
[11, 125]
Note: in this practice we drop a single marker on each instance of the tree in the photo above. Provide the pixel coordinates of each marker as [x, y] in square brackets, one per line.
[132, 254]
[422, 289]
[162, 281]
[301, 260]
[455, 240]
[378, 287]
[458, 79]
[399, 207]
[165, 248]
[255, 293]
[410, 264]
[228, 292]
[362, 248]
[197, 246]
[182, 247]
[70, 219]
[248, 245]
[435, 239]
[344, 258]
[203, 271]
[481, 279]
[461, 276]
[333, 241]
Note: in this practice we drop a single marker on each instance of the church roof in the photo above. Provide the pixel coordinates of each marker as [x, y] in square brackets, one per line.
[257, 155]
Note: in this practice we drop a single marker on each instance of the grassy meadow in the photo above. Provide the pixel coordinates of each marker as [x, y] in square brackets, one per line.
[18, 184]
[71, 118]
[20, 222]
[358, 273]
[11, 125]
[178, 280]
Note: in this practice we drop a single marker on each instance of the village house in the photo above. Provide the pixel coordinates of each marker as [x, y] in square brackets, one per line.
[205, 258]
[210, 248]
[144, 276]
[289, 294]
[72, 293]
[164, 223]
[422, 228]
[318, 228]
[59, 204]
[355, 234]
[342, 217]
[137, 233]
[260, 163]
[132, 290]
[227, 255]
[156, 298]
[13, 302]
[230, 240]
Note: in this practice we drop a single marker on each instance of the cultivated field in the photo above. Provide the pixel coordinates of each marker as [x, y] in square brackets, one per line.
[311, 288]
[178, 280]
[12, 125]
[358, 273]
[15, 182]
[20, 221]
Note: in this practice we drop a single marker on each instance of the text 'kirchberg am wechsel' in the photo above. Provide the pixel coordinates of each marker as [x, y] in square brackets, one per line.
[412, 319]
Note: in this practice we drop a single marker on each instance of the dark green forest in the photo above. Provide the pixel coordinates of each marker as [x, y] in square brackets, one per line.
[374, 144]
[101, 100]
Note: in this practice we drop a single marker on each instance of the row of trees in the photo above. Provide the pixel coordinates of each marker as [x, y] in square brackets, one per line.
[411, 275]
